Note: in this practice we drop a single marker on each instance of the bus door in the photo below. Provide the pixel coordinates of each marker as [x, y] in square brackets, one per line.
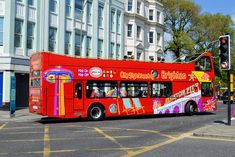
[78, 95]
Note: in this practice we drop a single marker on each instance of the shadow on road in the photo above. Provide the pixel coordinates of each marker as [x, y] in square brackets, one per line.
[48, 120]
[220, 122]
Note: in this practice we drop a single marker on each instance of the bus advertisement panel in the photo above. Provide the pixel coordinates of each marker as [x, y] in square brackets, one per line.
[71, 87]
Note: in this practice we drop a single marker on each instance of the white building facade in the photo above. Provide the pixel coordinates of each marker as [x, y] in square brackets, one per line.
[144, 30]
[83, 28]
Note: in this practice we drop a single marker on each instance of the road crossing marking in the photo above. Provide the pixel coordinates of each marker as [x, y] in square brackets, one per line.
[111, 139]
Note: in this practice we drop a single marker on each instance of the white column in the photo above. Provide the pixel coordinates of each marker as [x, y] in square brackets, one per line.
[6, 86]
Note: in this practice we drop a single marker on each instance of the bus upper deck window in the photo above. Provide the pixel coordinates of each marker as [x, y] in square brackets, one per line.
[203, 64]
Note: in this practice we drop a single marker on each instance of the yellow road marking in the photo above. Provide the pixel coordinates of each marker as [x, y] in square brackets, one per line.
[152, 147]
[18, 133]
[51, 151]
[149, 131]
[110, 138]
[212, 138]
[2, 126]
[62, 139]
[47, 147]
[26, 127]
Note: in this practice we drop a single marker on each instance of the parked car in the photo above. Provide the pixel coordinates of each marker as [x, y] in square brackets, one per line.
[224, 97]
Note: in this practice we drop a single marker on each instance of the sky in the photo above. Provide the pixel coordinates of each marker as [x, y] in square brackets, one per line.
[226, 7]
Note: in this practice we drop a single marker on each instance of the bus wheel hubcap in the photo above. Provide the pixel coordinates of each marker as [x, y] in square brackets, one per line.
[96, 112]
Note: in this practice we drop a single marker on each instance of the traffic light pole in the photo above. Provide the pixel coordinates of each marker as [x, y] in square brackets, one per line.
[229, 104]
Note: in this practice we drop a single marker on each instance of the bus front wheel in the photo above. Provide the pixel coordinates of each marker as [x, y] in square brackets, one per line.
[96, 112]
[189, 108]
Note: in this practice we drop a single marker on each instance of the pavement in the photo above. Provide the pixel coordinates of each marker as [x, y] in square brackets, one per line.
[21, 115]
[218, 129]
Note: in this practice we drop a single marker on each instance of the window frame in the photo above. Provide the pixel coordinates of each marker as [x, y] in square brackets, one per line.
[137, 91]
[151, 13]
[1, 31]
[18, 33]
[98, 92]
[129, 30]
[151, 37]
[67, 42]
[159, 90]
[30, 37]
[52, 39]
[211, 92]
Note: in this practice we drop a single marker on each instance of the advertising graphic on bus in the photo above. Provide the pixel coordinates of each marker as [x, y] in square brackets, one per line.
[71, 87]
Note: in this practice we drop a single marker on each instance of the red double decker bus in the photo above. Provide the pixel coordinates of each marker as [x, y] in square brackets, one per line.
[70, 87]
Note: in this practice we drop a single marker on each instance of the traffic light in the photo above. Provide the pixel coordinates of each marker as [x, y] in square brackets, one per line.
[224, 52]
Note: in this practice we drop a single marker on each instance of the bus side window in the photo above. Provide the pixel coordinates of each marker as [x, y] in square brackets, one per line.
[207, 89]
[78, 90]
[161, 89]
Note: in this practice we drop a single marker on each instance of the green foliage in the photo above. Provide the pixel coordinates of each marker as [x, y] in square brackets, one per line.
[193, 32]
[178, 18]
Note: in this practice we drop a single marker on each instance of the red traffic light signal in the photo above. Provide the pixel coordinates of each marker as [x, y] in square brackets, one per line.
[224, 49]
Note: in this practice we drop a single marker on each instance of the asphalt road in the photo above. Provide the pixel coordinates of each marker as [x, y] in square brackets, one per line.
[156, 136]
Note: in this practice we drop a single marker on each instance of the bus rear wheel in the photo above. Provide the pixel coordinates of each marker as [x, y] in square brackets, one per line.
[189, 108]
[96, 112]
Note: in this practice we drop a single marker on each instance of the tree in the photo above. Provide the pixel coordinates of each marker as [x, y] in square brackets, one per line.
[179, 15]
[206, 31]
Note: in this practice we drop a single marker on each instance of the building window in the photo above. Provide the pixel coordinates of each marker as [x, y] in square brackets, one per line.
[151, 14]
[100, 48]
[31, 2]
[151, 58]
[1, 31]
[78, 9]
[129, 5]
[158, 38]
[119, 22]
[112, 51]
[113, 21]
[53, 6]
[101, 16]
[118, 51]
[77, 44]
[138, 7]
[89, 13]
[150, 37]
[88, 47]
[30, 35]
[158, 16]
[129, 30]
[68, 8]
[138, 32]
[18, 33]
[20, 1]
[67, 42]
[138, 55]
[129, 53]
[52, 39]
